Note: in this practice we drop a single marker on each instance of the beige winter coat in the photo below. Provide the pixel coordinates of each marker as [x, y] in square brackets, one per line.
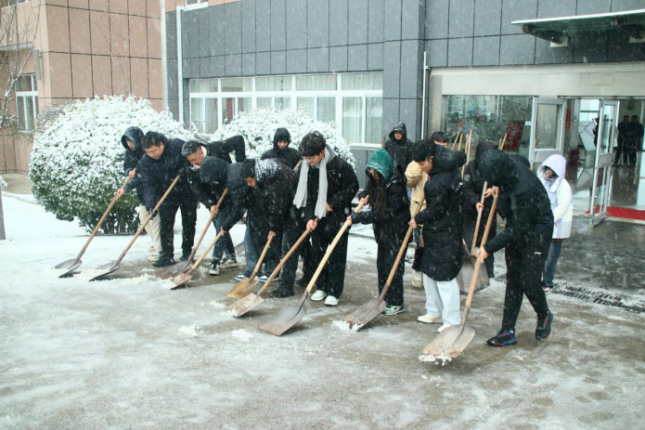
[416, 179]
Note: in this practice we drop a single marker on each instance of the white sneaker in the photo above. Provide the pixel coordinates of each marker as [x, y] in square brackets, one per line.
[152, 250]
[318, 295]
[417, 279]
[228, 262]
[239, 277]
[263, 278]
[443, 327]
[153, 257]
[430, 319]
[331, 301]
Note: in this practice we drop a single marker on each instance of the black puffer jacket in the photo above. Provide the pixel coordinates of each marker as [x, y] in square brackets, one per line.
[288, 155]
[391, 224]
[443, 217]
[277, 184]
[474, 184]
[523, 201]
[225, 147]
[204, 186]
[399, 150]
[132, 159]
[157, 175]
[342, 185]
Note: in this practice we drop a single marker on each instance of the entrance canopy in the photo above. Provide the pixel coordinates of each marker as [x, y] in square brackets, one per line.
[556, 30]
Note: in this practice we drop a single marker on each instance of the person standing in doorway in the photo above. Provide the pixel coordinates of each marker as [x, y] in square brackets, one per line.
[635, 142]
[552, 173]
[623, 135]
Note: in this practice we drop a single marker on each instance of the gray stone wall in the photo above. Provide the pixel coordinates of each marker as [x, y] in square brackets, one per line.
[465, 33]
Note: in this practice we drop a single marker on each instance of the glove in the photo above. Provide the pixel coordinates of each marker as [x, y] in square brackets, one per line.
[152, 212]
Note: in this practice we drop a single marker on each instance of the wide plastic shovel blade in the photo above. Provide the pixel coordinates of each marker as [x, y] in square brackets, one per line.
[449, 344]
[365, 313]
[244, 305]
[176, 269]
[105, 270]
[181, 280]
[243, 288]
[284, 321]
[466, 275]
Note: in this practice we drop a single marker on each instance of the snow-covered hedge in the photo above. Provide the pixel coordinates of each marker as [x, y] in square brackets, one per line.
[77, 158]
[3, 184]
[259, 126]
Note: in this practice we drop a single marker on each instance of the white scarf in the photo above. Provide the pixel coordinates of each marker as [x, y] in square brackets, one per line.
[300, 200]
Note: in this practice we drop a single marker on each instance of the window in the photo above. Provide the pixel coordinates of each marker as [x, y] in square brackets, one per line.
[196, 2]
[352, 101]
[26, 102]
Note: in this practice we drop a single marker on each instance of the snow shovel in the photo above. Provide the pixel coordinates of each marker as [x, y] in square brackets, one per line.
[452, 341]
[372, 309]
[112, 267]
[184, 266]
[293, 314]
[246, 285]
[183, 278]
[70, 265]
[250, 301]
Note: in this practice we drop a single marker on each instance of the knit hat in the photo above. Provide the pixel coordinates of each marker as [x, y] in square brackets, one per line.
[381, 162]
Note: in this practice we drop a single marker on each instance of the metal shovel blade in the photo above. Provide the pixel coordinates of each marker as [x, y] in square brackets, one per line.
[243, 288]
[105, 270]
[177, 269]
[449, 344]
[466, 275]
[245, 304]
[68, 266]
[365, 314]
[181, 280]
[284, 321]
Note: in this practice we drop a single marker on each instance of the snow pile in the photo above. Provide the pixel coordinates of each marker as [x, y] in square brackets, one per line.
[344, 325]
[77, 160]
[190, 331]
[242, 335]
[259, 126]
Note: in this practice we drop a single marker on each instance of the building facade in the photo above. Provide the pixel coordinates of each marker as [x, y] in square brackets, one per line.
[77, 49]
[537, 71]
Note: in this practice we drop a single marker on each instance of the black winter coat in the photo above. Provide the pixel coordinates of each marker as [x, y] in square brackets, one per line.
[288, 155]
[277, 185]
[390, 225]
[157, 175]
[342, 185]
[474, 185]
[132, 159]
[203, 185]
[242, 196]
[222, 149]
[399, 150]
[443, 217]
[523, 201]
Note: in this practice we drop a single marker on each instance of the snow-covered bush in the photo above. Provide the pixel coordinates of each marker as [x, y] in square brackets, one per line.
[3, 184]
[259, 126]
[77, 158]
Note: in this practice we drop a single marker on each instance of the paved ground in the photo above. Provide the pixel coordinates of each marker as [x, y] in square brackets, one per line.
[129, 353]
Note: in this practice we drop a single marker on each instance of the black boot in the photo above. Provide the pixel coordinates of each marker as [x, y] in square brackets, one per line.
[164, 260]
[543, 329]
[283, 291]
[302, 282]
[505, 337]
[185, 255]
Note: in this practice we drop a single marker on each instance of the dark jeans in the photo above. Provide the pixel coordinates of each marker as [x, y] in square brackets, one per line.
[332, 277]
[622, 151]
[524, 264]
[167, 213]
[288, 276]
[551, 263]
[225, 244]
[253, 252]
[385, 258]
[469, 231]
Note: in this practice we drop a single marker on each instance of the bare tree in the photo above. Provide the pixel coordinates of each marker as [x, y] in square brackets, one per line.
[19, 20]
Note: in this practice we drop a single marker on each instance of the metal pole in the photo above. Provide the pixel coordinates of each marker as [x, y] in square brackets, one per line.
[423, 99]
[3, 236]
[180, 68]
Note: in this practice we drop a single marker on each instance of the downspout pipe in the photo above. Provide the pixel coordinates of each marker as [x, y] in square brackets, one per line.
[180, 66]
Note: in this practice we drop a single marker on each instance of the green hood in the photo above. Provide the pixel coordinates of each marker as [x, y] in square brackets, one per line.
[382, 163]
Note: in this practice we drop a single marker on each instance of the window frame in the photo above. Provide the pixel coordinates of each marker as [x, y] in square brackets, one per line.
[22, 97]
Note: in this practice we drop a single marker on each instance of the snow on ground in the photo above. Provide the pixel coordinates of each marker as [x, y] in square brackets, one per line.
[128, 353]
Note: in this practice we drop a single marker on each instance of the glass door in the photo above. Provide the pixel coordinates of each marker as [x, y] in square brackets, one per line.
[547, 129]
[605, 140]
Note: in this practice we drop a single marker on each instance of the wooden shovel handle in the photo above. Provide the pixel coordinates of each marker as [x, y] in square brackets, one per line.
[404, 247]
[473, 282]
[461, 139]
[468, 143]
[210, 220]
[285, 259]
[479, 219]
[98, 225]
[145, 223]
[297, 164]
[264, 252]
[501, 146]
[206, 251]
[331, 247]
[452, 148]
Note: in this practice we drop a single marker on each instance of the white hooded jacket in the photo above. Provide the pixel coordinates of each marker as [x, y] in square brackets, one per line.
[560, 195]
